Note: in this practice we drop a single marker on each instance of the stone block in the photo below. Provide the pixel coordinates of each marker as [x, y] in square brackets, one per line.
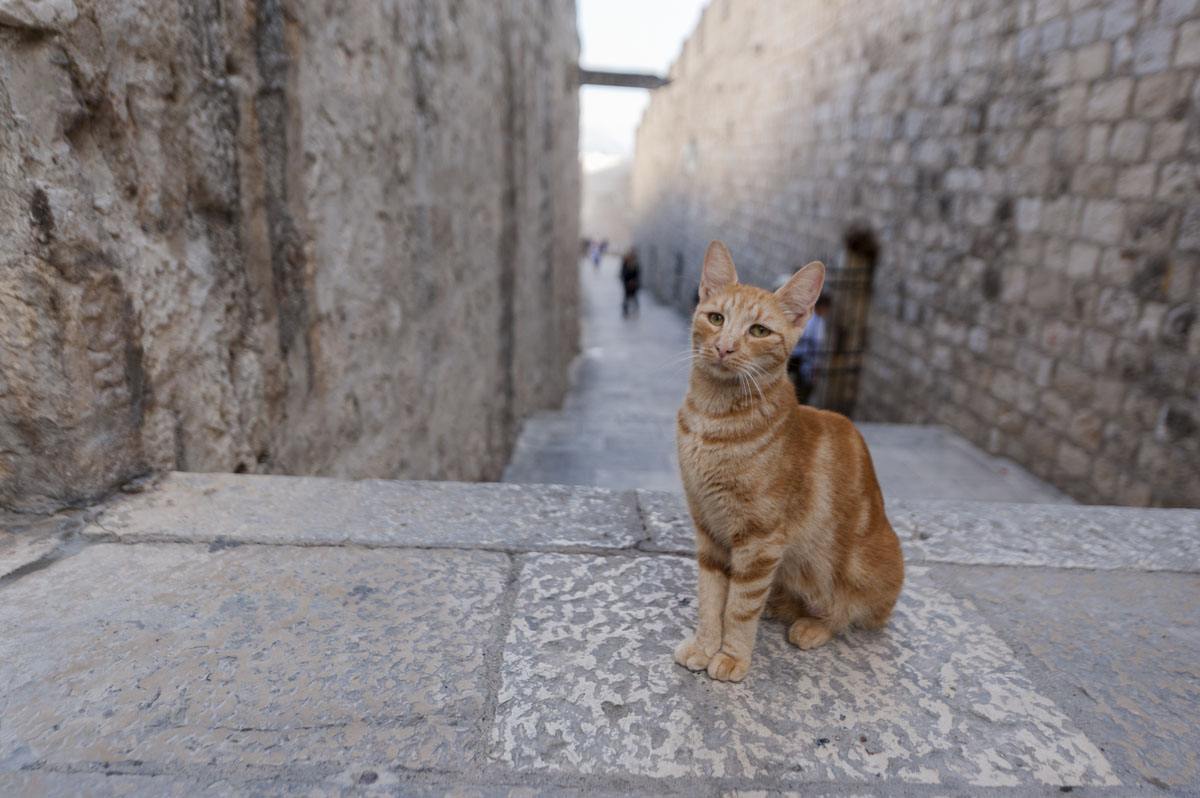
[1029, 212]
[1073, 461]
[1187, 51]
[614, 702]
[1091, 62]
[1178, 180]
[1053, 35]
[1085, 27]
[1120, 17]
[1128, 142]
[1103, 221]
[1101, 538]
[38, 15]
[1130, 690]
[1152, 50]
[177, 656]
[1172, 12]
[1083, 260]
[237, 320]
[1093, 180]
[1166, 140]
[1097, 142]
[220, 508]
[1189, 228]
[1136, 182]
[1109, 100]
[1158, 95]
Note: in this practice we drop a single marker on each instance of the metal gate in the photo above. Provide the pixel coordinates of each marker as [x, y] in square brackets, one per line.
[839, 360]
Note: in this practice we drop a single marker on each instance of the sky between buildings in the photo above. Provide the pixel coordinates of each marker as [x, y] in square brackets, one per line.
[629, 36]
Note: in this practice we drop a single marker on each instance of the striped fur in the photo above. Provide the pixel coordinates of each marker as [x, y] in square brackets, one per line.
[789, 516]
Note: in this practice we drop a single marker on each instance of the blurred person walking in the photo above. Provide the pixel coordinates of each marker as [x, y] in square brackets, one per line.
[802, 364]
[631, 279]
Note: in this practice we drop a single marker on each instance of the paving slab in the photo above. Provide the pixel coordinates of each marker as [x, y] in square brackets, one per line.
[996, 533]
[212, 508]
[589, 686]
[1119, 652]
[925, 461]
[172, 655]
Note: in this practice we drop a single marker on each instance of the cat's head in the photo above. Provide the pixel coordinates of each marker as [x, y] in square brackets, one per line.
[743, 330]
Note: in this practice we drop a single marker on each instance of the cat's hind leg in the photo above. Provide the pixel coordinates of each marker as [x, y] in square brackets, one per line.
[807, 633]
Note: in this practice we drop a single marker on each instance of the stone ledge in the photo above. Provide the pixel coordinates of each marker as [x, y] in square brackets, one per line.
[228, 508]
[995, 533]
[234, 661]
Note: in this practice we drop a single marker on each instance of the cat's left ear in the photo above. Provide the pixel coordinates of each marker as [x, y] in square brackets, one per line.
[718, 272]
[799, 294]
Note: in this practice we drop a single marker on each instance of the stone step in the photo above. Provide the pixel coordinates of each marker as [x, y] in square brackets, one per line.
[271, 635]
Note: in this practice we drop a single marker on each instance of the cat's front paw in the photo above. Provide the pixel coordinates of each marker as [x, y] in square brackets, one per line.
[692, 655]
[724, 667]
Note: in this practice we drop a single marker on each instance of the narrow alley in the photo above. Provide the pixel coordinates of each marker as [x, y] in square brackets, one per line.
[616, 428]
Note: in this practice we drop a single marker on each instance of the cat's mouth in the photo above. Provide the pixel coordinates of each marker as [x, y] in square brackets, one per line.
[725, 368]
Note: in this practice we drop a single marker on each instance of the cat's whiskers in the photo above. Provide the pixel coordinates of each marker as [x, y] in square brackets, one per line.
[752, 372]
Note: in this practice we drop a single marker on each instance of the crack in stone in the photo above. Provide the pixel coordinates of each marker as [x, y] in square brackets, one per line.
[493, 657]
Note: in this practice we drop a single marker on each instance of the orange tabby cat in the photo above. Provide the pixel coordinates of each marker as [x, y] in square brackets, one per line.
[788, 513]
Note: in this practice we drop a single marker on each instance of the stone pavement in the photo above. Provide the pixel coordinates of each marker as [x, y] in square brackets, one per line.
[616, 428]
[217, 634]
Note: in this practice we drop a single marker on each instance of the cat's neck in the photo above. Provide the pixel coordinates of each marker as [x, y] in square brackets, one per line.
[717, 396]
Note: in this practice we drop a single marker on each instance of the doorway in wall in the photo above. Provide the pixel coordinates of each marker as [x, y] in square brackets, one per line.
[848, 286]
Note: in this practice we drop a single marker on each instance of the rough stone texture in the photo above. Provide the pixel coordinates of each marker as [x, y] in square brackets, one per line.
[590, 686]
[1029, 171]
[413, 663]
[227, 508]
[275, 237]
[1119, 648]
[257, 655]
[995, 533]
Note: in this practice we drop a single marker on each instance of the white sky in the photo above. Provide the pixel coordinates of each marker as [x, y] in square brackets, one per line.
[630, 36]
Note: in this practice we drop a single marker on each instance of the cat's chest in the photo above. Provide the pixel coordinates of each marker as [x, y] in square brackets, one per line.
[722, 452]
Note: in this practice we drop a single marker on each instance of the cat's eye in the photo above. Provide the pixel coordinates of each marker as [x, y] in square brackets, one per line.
[759, 331]
[716, 318]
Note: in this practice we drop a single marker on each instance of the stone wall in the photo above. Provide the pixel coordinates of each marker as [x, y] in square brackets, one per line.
[276, 237]
[1031, 173]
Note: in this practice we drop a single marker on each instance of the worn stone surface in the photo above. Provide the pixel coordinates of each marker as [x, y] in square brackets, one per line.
[994, 533]
[274, 237]
[38, 15]
[589, 685]
[916, 461]
[173, 655]
[1106, 538]
[1116, 650]
[407, 661]
[1027, 172]
[264, 509]
[31, 541]
[21, 551]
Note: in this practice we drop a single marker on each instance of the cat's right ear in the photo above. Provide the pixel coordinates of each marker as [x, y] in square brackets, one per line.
[799, 294]
[718, 273]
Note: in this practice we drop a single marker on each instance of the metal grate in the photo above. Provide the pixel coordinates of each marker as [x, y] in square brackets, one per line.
[839, 362]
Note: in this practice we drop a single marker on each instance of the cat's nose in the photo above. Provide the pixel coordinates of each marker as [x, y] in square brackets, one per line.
[722, 351]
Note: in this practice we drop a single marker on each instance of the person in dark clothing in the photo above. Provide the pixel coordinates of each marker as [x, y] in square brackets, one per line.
[631, 275]
[804, 363]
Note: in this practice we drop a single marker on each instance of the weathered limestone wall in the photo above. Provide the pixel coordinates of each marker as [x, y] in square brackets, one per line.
[276, 237]
[1031, 171]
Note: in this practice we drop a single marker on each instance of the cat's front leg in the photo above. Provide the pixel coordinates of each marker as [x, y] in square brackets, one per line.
[752, 569]
[712, 588]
